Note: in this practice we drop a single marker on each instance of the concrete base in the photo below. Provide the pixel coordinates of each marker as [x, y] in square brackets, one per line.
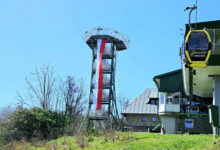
[216, 96]
[168, 124]
[99, 124]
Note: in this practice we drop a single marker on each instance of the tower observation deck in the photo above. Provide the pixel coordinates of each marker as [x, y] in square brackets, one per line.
[102, 100]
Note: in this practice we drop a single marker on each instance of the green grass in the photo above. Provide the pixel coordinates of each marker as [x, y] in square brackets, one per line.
[127, 141]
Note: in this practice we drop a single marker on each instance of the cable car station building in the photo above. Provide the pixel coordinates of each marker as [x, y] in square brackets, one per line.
[174, 112]
[185, 95]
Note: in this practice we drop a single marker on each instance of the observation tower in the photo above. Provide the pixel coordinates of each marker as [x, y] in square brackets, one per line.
[105, 43]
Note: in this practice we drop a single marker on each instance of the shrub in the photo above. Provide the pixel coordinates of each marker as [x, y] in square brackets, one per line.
[34, 122]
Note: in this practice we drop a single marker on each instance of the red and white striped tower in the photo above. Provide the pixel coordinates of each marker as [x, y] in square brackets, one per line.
[102, 102]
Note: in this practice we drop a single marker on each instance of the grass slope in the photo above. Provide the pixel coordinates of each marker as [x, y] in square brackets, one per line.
[127, 141]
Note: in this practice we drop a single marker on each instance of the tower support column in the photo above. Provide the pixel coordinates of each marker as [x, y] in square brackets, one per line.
[216, 98]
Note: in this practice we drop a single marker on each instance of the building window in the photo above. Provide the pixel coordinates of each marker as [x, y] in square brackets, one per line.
[162, 97]
[143, 119]
[153, 101]
[154, 119]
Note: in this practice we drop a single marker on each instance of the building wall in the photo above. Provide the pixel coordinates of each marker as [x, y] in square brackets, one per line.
[136, 123]
[200, 125]
[169, 123]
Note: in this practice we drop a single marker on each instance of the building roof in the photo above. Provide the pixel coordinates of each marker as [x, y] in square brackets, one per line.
[139, 105]
[170, 82]
[153, 94]
[201, 25]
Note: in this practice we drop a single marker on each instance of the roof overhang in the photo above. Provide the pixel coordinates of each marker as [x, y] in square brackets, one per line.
[203, 25]
[170, 82]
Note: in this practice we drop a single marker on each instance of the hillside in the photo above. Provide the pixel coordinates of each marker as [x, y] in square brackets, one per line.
[125, 140]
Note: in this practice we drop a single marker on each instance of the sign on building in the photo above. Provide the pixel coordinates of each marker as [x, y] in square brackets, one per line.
[189, 123]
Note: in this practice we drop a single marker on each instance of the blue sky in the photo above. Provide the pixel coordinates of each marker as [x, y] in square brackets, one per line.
[39, 32]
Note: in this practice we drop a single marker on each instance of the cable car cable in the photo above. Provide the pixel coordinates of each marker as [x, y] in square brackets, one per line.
[196, 14]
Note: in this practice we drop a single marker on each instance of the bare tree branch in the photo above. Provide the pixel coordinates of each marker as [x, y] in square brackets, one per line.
[73, 97]
[41, 86]
[123, 101]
